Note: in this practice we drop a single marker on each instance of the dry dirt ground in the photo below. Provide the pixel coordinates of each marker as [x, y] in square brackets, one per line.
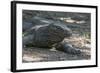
[35, 54]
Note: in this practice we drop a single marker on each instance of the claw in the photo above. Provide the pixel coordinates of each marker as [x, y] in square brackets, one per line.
[72, 50]
[68, 48]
